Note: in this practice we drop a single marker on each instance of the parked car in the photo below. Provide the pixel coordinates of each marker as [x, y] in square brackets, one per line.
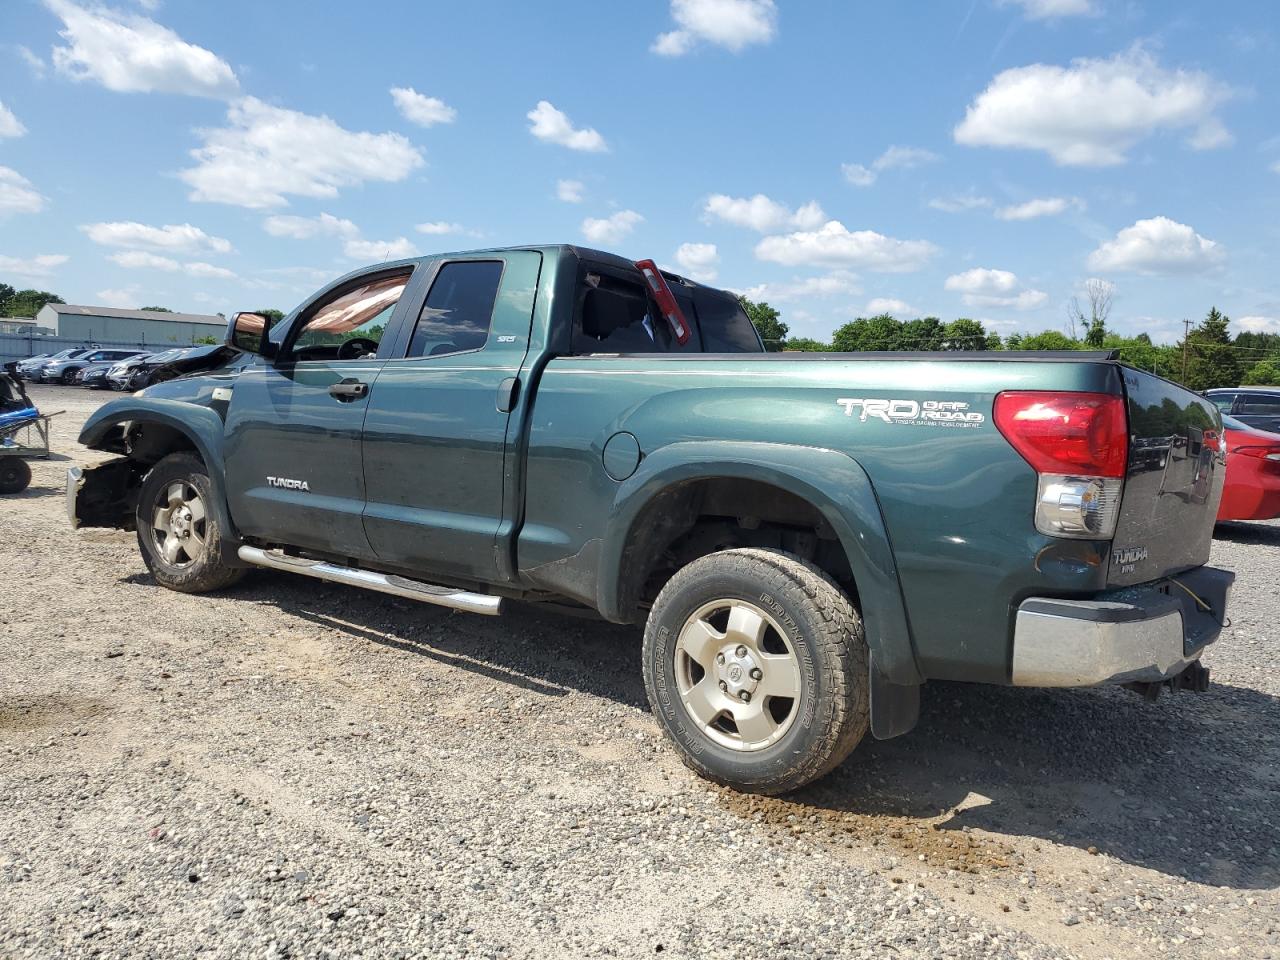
[22, 367]
[30, 369]
[1252, 490]
[64, 371]
[121, 374]
[807, 537]
[176, 363]
[1259, 407]
[95, 374]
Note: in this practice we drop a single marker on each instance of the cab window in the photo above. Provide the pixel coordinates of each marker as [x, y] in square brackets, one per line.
[349, 326]
[1259, 404]
[1223, 401]
[614, 315]
[459, 309]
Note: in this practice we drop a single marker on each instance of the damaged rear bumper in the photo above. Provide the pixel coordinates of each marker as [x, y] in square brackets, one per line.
[1144, 634]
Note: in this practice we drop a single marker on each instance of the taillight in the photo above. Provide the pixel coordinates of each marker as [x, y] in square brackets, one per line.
[1262, 453]
[666, 300]
[1079, 445]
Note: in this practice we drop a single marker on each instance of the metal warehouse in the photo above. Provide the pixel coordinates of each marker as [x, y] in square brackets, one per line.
[143, 327]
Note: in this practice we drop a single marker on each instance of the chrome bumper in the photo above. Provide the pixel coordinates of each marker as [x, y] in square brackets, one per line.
[1147, 634]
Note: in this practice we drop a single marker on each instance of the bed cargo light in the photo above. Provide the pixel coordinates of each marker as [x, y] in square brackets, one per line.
[1079, 445]
[665, 299]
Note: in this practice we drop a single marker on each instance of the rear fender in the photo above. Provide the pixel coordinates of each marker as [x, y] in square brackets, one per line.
[831, 481]
[200, 425]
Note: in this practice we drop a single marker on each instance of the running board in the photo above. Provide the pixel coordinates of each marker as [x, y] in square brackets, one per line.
[381, 582]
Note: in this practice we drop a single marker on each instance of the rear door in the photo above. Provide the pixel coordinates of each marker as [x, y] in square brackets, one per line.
[435, 434]
[1173, 484]
[295, 472]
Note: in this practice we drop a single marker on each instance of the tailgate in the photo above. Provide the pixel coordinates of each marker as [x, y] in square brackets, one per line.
[1174, 481]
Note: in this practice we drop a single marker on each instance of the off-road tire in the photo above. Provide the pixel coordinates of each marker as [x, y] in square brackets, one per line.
[211, 570]
[826, 635]
[15, 475]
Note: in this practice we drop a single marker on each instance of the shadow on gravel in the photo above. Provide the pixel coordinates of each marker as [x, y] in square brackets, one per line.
[1253, 533]
[531, 648]
[1188, 786]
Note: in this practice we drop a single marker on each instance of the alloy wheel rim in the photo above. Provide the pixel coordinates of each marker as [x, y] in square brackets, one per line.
[738, 675]
[179, 525]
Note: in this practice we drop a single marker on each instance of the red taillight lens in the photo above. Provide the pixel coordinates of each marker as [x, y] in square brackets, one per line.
[1262, 453]
[1081, 434]
[666, 300]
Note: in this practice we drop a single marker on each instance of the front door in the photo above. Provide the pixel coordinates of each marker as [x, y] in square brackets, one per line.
[435, 434]
[293, 459]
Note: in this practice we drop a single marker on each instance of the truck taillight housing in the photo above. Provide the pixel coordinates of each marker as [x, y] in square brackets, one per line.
[1079, 445]
[665, 300]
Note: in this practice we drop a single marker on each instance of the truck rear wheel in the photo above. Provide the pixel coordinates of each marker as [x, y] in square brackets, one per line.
[756, 666]
[178, 534]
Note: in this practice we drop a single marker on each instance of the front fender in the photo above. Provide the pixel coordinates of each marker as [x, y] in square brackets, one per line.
[831, 481]
[201, 425]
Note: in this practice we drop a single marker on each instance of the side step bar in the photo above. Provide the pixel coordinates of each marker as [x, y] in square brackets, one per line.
[381, 582]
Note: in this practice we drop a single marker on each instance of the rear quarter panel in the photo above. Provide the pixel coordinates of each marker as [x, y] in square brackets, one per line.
[956, 500]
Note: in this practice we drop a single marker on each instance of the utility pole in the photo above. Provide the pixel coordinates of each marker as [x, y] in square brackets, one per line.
[1186, 333]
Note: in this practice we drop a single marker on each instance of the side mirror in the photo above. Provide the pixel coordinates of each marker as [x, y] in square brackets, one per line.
[247, 332]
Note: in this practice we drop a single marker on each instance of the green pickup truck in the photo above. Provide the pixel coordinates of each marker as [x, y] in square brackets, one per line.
[806, 537]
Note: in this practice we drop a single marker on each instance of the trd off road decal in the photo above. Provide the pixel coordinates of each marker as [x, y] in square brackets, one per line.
[920, 413]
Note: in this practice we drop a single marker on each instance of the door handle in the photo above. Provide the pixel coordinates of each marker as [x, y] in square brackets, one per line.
[348, 390]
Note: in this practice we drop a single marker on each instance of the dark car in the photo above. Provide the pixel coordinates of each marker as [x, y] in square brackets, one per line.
[1259, 407]
[96, 375]
[174, 363]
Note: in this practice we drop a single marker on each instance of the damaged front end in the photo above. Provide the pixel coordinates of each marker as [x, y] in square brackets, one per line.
[104, 494]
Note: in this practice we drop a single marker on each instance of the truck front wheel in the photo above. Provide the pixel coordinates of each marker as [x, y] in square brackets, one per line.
[178, 534]
[756, 666]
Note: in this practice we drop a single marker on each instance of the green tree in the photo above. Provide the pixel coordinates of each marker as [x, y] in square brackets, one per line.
[1014, 341]
[994, 342]
[27, 303]
[6, 294]
[273, 315]
[806, 345]
[1264, 373]
[965, 334]
[1049, 340]
[926, 333]
[880, 332]
[1211, 357]
[203, 341]
[157, 309]
[767, 322]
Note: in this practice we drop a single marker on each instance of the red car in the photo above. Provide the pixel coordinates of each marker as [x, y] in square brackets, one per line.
[1252, 490]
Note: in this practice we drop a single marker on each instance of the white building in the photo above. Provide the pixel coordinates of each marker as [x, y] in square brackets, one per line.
[143, 327]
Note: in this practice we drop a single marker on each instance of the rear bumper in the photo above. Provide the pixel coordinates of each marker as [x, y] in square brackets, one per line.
[1146, 633]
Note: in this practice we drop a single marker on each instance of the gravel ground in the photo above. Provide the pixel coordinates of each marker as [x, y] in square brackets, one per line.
[296, 769]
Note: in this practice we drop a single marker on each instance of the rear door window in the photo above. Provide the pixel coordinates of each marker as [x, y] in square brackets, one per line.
[724, 324]
[459, 309]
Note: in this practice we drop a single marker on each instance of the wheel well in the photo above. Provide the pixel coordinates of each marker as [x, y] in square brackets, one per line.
[108, 492]
[692, 519]
[150, 442]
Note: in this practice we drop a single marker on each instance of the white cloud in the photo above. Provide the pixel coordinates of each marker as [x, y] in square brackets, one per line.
[302, 228]
[34, 62]
[549, 124]
[570, 191]
[1275, 167]
[1094, 111]
[125, 299]
[1052, 9]
[10, 126]
[894, 158]
[890, 305]
[132, 54]
[376, 251]
[762, 214]
[833, 284]
[698, 261]
[1155, 246]
[733, 24]
[420, 109]
[1040, 207]
[37, 267]
[982, 287]
[612, 229]
[438, 227]
[141, 260]
[1258, 324]
[176, 238]
[17, 195]
[959, 202]
[266, 152]
[833, 245]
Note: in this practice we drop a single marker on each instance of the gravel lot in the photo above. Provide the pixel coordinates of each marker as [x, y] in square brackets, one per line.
[297, 769]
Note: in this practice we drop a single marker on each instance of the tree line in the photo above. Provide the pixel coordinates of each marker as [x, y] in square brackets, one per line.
[1208, 356]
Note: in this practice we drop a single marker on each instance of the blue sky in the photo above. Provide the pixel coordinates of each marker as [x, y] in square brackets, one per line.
[978, 158]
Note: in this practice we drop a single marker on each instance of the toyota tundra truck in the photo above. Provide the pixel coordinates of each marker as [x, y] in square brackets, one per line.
[807, 538]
